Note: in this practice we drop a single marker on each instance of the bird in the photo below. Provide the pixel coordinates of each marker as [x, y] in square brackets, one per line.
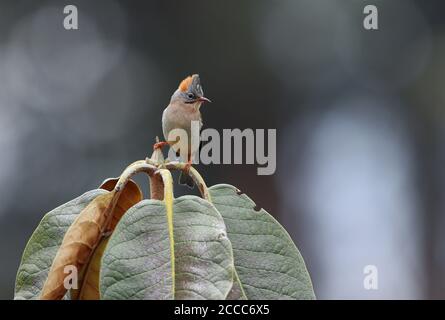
[184, 107]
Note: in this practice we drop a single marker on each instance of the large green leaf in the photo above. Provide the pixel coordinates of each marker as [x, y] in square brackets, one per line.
[267, 261]
[44, 243]
[137, 264]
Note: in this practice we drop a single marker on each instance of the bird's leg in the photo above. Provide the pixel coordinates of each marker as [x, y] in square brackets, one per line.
[161, 144]
[187, 166]
[184, 177]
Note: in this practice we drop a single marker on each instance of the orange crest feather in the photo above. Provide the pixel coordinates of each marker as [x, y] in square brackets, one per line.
[185, 84]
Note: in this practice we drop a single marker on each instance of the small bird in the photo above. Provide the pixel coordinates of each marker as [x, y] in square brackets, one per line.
[184, 107]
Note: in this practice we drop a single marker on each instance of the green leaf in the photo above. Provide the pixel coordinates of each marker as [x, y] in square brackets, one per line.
[137, 263]
[44, 243]
[267, 261]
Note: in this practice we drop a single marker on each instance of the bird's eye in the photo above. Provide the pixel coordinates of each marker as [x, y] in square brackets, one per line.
[190, 95]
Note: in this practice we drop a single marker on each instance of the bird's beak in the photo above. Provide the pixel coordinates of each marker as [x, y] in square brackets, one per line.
[204, 99]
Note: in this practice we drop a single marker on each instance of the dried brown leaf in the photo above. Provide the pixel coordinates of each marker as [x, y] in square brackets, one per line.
[84, 242]
[78, 244]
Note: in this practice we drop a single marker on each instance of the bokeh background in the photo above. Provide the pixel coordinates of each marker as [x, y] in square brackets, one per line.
[359, 115]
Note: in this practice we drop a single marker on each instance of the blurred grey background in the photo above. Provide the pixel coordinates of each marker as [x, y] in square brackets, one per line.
[359, 115]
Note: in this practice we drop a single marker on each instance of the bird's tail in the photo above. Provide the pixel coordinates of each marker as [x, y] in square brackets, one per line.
[185, 179]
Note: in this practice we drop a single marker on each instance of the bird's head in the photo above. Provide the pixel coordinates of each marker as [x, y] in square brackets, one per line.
[190, 92]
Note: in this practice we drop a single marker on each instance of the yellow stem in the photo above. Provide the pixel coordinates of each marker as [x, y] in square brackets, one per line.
[168, 200]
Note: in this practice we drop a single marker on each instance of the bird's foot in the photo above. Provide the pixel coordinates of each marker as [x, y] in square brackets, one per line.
[160, 145]
[184, 178]
[187, 167]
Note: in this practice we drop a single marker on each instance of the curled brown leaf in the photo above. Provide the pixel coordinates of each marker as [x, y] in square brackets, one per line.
[85, 240]
[78, 244]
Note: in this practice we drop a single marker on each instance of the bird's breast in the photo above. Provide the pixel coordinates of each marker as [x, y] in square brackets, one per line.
[180, 117]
